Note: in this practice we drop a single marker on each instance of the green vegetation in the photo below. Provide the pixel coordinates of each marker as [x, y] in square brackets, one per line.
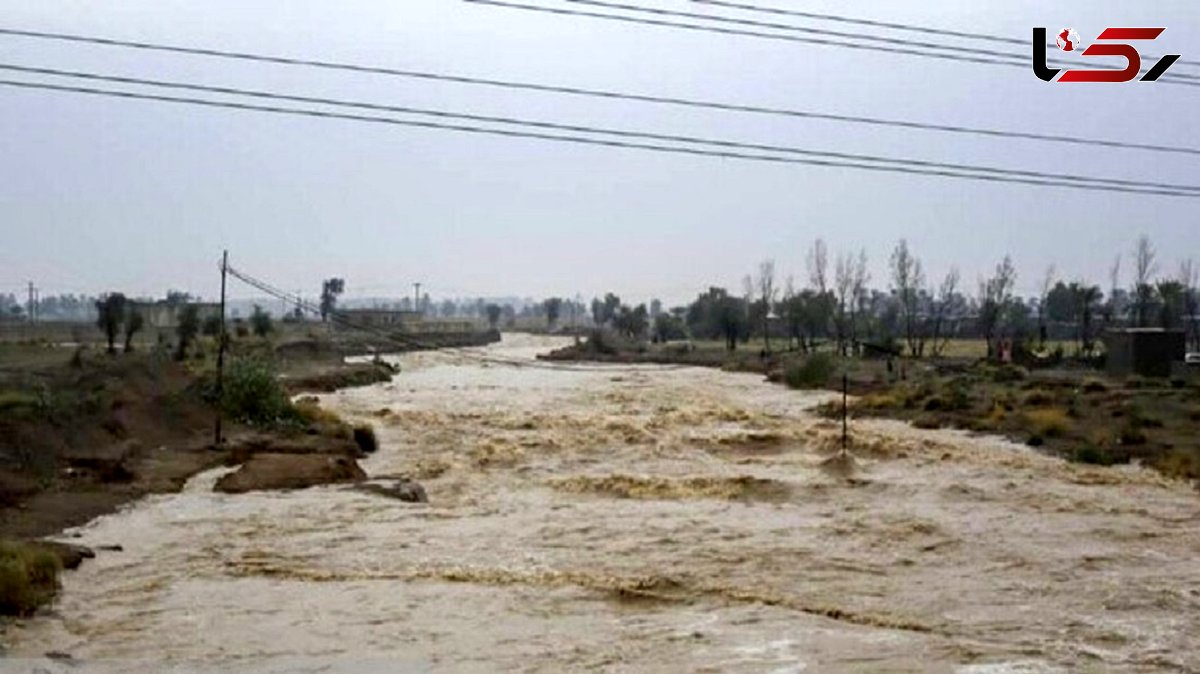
[809, 372]
[253, 394]
[28, 577]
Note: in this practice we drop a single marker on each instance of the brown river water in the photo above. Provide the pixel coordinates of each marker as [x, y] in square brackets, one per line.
[641, 519]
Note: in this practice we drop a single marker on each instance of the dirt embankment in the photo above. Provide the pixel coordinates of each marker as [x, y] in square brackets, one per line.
[77, 441]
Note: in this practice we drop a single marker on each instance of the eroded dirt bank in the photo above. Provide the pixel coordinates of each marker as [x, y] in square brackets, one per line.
[647, 518]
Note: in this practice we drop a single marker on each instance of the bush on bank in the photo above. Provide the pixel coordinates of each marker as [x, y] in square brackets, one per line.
[811, 372]
[28, 578]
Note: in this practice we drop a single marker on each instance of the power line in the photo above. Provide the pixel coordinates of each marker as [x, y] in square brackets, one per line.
[412, 343]
[1005, 58]
[927, 30]
[1022, 58]
[605, 94]
[676, 149]
[622, 133]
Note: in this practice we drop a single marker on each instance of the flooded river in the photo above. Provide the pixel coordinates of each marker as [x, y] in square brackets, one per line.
[641, 519]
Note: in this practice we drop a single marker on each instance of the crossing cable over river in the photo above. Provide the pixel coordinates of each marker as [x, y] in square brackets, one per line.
[408, 342]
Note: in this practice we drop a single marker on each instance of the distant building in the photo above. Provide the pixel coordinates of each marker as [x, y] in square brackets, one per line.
[377, 318]
[1149, 352]
[165, 315]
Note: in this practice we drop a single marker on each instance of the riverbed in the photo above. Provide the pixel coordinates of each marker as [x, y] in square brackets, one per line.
[645, 518]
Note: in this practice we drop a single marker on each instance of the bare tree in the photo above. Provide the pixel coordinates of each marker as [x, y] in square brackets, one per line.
[1047, 284]
[843, 287]
[942, 304]
[818, 266]
[859, 291]
[907, 280]
[1144, 268]
[1111, 309]
[995, 294]
[766, 294]
[1189, 278]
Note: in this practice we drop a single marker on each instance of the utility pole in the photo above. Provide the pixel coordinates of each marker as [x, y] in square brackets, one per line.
[217, 440]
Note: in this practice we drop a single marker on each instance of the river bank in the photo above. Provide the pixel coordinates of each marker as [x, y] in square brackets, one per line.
[1076, 413]
[80, 438]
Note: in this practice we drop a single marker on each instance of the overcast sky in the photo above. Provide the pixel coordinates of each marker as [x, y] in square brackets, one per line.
[103, 194]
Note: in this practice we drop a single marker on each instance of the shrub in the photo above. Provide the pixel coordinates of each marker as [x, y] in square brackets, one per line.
[1049, 422]
[28, 578]
[364, 437]
[1132, 435]
[1093, 385]
[1009, 373]
[1093, 455]
[253, 394]
[1039, 398]
[1035, 440]
[927, 421]
[811, 372]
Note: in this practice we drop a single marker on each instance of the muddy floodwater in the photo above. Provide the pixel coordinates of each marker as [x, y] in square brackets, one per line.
[640, 519]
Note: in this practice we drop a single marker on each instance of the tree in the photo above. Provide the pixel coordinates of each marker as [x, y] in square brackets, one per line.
[632, 323]
[1144, 267]
[1189, 278]
[133, 324]
[1171, 303]
[603, 312]
[493, 315]
[110, 317]
[843, 284]
[907, 279]
[942, 306]
[858, 291]
[330, 290]
[718, 315]
[1047, 285]
[1111, 308]
[668, 327]
[260, 322]
[995, 294]
[189, 325]
[553, 308]
[765, 284]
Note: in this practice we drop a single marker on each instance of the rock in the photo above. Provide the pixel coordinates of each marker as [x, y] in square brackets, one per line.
[364, 437]
[408, 491]
[110, 548]
[290, 471]
[243, 448]
[69, 555]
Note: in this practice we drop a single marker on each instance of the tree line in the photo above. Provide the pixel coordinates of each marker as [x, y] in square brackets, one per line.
[916, 315]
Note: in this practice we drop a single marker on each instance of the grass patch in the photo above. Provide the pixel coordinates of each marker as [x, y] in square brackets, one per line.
[1050, 422]
[28, 578]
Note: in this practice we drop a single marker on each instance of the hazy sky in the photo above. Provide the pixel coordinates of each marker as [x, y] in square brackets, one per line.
[103, 194]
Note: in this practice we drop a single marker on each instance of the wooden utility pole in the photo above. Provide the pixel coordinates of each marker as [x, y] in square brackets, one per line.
[221, 340]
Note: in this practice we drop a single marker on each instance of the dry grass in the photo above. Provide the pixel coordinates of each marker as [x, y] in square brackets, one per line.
[1050, 422]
